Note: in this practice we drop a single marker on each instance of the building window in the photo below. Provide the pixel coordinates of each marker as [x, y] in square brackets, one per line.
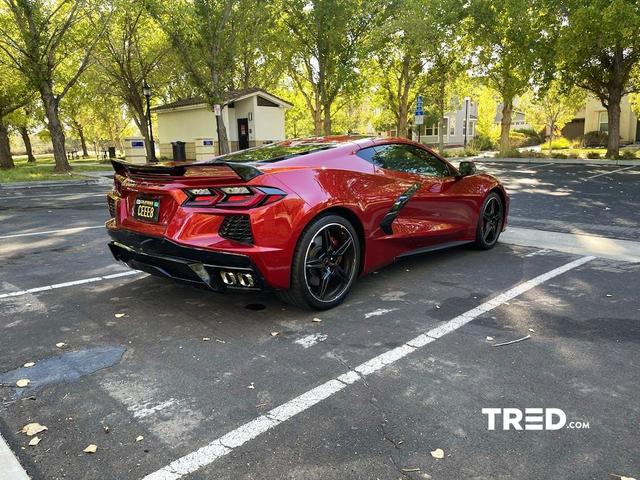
[445, 125]
[472, 128]
[603, 122]
[431, 130]
[452, 127]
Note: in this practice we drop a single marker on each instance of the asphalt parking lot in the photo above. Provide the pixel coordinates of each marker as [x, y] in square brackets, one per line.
[245, 387]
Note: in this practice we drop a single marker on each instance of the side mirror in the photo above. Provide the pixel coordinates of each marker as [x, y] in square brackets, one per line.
[467, 168]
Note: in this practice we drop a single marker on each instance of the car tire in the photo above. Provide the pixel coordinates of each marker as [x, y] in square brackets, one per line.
[490, 222]
[322, 284]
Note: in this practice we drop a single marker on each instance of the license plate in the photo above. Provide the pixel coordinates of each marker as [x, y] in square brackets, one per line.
[147, 209]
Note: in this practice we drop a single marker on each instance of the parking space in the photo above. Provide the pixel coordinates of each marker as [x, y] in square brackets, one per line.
[183, 367]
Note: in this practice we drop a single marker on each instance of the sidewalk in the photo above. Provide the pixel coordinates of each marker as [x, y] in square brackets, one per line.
[559, 161]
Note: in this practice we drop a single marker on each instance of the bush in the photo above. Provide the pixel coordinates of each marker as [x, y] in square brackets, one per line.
[533, 137]
[512, 154]
[628, 155]
[559, 155]
[557, 144]
[595, 139]
[517, 139]
[593, 155]
[572, 155]
[483, 142]
[470, 151]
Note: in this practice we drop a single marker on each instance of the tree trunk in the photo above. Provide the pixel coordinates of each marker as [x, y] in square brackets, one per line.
[326, 124]
[441, 102]
[613, 145]
[6, 160]
[83, 141]
[54, 125]
[223, 140]
[317, 121]
[24, 133]
[505, 125]
[403, 124]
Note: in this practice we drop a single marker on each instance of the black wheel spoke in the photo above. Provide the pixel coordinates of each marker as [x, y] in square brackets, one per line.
[343, 248]
[330, 262]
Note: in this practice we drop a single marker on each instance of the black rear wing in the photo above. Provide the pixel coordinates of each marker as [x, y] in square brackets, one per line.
[242, 170]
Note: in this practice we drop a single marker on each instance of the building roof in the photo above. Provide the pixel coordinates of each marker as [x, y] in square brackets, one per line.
[231, 97]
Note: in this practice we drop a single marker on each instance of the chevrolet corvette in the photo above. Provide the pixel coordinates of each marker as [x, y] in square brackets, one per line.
[304, 218]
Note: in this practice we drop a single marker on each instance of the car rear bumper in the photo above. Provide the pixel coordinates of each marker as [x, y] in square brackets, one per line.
[219, 271]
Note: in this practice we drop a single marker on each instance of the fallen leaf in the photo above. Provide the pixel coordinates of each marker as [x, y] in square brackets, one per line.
[408, 470]
[119, 315]
[437, 453]
[61, 345]
[438, 306]
[34, 441]
[490, 339]
[220, 341]
[206, 339]
[275, 334]
[251, 387]
[32, 428]
[91, 449]
[317, 320]
[609, 295]
[532, 330]
[139, 438]
[29, 364]
[23, 382]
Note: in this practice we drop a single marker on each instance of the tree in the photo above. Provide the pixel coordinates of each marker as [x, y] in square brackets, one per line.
[24, 120]
[133, 50]
[328, 39]
[599, 50]
[204, 34]
[14, 94]
[50, 43]
[513, 41]
[399, 61]
[552, 108]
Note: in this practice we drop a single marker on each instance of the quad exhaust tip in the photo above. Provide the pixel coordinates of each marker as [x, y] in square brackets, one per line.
[237, 279]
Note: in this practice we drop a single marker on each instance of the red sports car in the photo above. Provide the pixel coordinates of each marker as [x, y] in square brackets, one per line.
[302, 217]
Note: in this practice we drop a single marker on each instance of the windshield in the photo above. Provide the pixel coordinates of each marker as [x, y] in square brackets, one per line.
[273, 152]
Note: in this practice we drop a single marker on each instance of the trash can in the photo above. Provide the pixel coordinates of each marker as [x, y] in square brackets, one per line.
[112, 152]
[179, 151]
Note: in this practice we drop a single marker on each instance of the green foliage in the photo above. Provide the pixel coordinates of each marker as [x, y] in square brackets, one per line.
[593, 155]
[557, 144]
[595, 139]
[628, 155]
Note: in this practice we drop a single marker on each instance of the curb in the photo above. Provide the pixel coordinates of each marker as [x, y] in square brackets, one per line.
[91, 180]
[559, 161]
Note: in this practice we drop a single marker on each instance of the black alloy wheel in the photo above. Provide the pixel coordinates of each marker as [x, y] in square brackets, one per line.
[490, 222]
[325, 264]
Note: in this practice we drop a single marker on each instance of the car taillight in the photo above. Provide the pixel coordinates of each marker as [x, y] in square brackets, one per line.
[233, 197]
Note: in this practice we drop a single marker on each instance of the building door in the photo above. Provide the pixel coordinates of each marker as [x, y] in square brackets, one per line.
[243, 133]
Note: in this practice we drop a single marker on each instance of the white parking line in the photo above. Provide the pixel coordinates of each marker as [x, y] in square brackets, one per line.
[49, 232]
[10, 468]
[241, 435]
[608, 173]
[69, 284]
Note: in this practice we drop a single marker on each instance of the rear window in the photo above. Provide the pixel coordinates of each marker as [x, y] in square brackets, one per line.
[273, 152]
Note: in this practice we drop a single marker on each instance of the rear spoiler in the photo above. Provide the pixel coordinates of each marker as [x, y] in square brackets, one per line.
[242, 170]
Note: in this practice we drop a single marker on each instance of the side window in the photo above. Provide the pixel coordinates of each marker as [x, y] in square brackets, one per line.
[438, 167]
[367, 154]
[408, 159]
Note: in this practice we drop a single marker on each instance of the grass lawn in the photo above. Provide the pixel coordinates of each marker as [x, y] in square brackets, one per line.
[25, 172]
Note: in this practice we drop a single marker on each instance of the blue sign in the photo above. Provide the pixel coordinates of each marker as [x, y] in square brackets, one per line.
[419, 105]
[207, 143]
[137, 144]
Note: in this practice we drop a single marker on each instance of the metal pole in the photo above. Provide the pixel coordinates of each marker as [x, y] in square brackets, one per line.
[152, 144]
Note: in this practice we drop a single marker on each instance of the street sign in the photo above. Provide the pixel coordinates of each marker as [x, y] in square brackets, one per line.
[418, 120]
[419, 106]
[217, 110]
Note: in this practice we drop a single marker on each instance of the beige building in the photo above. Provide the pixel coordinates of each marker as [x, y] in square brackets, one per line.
[593, 117]
[252, 117]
